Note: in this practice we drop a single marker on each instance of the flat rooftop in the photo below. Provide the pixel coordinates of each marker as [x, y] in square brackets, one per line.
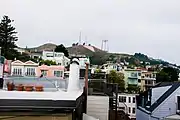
[47, 83]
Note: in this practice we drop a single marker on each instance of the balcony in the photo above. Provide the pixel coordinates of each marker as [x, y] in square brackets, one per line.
[132, 81]
[133, 76]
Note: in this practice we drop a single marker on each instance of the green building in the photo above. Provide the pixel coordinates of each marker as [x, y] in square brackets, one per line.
[131, 77]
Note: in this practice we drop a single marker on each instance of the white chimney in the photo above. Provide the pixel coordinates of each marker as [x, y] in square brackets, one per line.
[73, 84]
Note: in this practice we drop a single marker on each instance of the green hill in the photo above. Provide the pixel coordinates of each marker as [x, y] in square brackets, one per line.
[99, 57]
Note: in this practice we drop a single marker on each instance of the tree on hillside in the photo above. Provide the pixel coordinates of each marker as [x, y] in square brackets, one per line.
[167, 74]
[23, 57]
[117, 77]
[8, 38]
[98, 58]
[61, 48]
[141, 57]
[47, 62]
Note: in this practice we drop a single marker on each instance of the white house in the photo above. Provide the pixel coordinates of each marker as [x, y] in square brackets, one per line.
[58, 57]
[83, 61]
[21, 50]
[127, 103]
[19, 68]
[111, 66]
[159, 103]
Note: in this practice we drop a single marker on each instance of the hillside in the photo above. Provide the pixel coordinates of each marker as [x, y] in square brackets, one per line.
[97, 56]
[47, 46]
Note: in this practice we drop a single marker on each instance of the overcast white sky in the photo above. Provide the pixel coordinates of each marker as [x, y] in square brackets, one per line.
[151, 27]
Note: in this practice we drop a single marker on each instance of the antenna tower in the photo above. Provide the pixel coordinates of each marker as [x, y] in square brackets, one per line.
[104, 45]
[80, 38]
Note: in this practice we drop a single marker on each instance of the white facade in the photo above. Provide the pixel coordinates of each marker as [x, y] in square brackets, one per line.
[110, 66]
[21, 50]
[19, 68]
[167, 107]
[127, 103]
[58, 57]
[83, 61]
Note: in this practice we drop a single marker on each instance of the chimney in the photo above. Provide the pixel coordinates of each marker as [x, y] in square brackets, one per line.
[74, 84]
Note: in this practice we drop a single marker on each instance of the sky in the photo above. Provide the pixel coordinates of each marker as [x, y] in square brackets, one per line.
[151, 27]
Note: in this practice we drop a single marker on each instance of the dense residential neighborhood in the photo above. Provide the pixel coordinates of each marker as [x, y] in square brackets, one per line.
[83, 82]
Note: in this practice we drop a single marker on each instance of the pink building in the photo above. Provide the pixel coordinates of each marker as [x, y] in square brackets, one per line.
[51, 71]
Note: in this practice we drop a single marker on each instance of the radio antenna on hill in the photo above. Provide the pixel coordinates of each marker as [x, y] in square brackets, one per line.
[80, 38]
[104, 45]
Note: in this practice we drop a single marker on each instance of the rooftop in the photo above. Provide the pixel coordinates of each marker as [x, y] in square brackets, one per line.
[173, 117]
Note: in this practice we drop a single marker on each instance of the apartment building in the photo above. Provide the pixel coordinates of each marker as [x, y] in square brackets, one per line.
[131, 77]
[148, 79]
[127, 103]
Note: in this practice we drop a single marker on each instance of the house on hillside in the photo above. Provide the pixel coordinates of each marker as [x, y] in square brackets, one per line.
[110, 66]
[36, 55]
[58, 57]
[19, 68]
[162, 102]
[21, 50]
[132, 77]
[148, 80]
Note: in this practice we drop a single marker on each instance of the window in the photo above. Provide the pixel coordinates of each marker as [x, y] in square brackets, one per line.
[150, 76]
[139, 74]
[149, 82]
[17, 71]
[139, 80]
[49, 55]
[146, 82]
[133, 74]
[122, 99]
[44, 72]
[133, 110]
[129, 109]
[134, 100]
[30, 72]
[58, 73]
[129, 99]
[122, 108]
